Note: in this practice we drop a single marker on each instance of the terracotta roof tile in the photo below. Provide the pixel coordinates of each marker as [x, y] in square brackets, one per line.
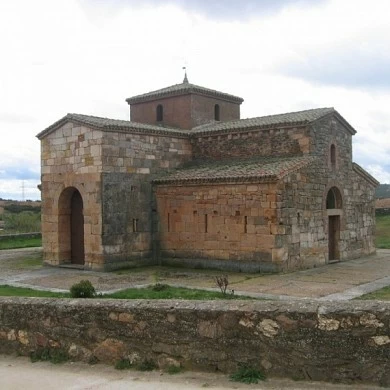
[291, 118]
[180, 89]
[111, 125]
[237, 170]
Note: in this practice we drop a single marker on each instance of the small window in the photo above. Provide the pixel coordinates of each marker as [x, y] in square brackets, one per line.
[333, 156]
[333, 199]
[159, 113]
[216, 112]
[135, 225]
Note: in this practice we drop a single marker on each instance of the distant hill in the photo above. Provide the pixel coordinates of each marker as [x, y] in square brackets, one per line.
[382, 191]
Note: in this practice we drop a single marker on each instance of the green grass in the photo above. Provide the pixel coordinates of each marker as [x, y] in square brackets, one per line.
[382, 239]
[150, 292]
[382, 294]
[14, 243]
[9, 291]
[169, 292]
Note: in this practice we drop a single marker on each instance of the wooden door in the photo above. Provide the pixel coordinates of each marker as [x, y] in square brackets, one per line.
[334, 237]
[77, 229]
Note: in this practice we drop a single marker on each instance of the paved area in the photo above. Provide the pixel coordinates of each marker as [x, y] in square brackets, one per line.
[339, 281]
[19, 373]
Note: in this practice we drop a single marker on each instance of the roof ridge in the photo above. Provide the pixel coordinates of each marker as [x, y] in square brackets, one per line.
[110, 124]
[181, 87]
[264, 121]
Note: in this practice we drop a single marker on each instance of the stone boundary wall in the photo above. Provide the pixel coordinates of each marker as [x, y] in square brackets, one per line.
[333, 341]
[20, 235]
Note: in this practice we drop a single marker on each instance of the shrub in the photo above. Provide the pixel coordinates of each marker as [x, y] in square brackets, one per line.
[247, 374]
[55, 356]
[123, 364]
[160, 287]
[172, 370]
[147, 365]
[83, 289]
[222, 282]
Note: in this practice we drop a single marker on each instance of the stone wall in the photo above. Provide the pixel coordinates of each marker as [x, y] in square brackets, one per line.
[254, 142]
[221, 226]
[340, 342]
[131, 162]
[71, 158]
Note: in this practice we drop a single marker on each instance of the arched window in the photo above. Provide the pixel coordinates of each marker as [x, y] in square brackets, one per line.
[159, 113]
[333, 199]
[333, 156]
[216, 112]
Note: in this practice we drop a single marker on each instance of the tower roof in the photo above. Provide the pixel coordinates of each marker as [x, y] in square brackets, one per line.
[183, 89]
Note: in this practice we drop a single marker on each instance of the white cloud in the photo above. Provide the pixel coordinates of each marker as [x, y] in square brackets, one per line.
[77, 56]
[383, 176]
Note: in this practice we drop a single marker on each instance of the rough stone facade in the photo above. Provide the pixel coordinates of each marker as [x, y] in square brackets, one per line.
[188, 182]
[340, 342]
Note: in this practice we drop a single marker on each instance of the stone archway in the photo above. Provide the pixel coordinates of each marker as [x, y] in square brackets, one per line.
[71, 227]
[334, 211]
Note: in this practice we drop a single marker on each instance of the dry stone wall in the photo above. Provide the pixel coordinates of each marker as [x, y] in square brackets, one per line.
[340, 342]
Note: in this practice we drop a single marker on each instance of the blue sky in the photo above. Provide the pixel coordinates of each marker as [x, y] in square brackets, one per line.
[88, 56]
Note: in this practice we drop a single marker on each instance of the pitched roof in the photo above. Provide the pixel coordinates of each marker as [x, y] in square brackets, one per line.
[297, 118]
[263, 169]
[111, 125]
[181, 89]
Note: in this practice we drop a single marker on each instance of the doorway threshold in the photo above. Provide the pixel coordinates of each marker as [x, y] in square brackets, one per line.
[333, 261]
[72, 266]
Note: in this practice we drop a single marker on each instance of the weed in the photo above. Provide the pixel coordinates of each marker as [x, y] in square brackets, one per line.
[147, 365]
[160, 287]
[93, 360]
[247, 374]
[123, 364]
[83, 289]
[55, 356]
[172, 370]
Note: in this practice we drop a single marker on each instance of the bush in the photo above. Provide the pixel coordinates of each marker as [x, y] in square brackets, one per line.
[83, 289]
[55, 356]
[147, 365]
[247, 374]
[123, 364]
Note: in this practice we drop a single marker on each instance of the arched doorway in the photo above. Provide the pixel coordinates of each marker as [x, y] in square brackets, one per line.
[334, 210]
[71, 226]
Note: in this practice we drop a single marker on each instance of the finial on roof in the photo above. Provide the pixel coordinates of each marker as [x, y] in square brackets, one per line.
[185, 81]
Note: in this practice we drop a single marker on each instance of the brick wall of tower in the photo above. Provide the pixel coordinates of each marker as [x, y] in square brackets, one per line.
[184, 112]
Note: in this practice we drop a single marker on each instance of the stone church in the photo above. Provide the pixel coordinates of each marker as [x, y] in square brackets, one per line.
[187, 182]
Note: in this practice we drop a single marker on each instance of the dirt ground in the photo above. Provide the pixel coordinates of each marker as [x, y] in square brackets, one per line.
[19, 373]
